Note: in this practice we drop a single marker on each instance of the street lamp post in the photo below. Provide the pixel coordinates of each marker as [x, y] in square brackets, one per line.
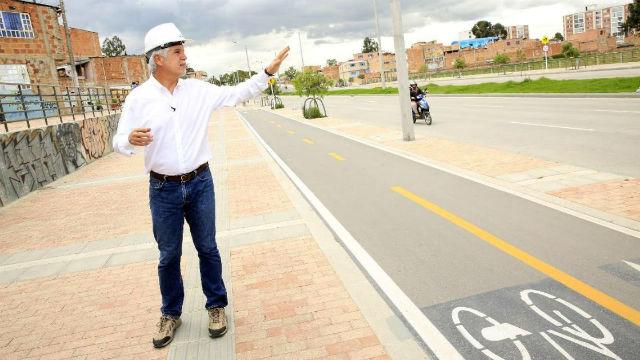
[301, 57]
[403, 72]
[375, 12]
[246, 53]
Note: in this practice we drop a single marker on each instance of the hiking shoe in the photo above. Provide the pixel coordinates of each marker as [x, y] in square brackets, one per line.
[217, 322]
[166, 327]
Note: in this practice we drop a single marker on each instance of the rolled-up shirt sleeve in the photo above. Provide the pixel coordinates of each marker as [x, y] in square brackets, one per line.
[232, 95]
[125, 125]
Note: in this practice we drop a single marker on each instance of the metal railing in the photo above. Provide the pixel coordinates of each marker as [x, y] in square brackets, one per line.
[28, 103]
[584, 60]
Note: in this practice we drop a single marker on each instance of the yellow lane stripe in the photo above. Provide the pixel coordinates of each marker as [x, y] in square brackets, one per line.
[567, 280]
[336, 156]
[291, 132]
[308, 141]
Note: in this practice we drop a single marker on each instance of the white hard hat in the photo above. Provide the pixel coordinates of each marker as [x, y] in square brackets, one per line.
[161, 37]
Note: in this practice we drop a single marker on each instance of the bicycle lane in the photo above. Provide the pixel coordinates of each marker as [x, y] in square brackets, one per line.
[483, 298]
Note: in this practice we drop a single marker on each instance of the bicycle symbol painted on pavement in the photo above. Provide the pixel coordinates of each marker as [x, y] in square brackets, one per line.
[563, 327]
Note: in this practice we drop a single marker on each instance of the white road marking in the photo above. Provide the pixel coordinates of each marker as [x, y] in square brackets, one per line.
[485, 106]
[551, 126]
[635, 266]
[548, 201]
[618, 111]
[428, 333]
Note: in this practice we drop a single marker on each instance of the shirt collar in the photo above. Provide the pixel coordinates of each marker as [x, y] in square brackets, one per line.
[156, 83]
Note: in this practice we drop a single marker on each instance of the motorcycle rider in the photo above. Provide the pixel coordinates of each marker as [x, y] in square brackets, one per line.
[414, 91]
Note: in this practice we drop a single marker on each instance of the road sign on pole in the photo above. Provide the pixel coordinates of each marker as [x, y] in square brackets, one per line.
[544, 40]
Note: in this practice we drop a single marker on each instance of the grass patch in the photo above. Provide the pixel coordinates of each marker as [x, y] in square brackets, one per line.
[542, 85]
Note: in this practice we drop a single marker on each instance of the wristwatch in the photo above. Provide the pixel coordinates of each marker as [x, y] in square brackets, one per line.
[268, 73]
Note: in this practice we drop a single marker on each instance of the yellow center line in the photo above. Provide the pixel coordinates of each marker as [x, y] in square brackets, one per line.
[336, 156]
[567, 280]
[291, 132]
[308, 141]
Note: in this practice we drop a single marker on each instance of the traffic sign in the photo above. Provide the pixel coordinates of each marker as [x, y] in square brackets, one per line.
[545, 48]
[544, 40]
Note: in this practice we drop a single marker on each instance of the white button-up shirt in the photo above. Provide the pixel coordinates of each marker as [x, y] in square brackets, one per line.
[178, 121]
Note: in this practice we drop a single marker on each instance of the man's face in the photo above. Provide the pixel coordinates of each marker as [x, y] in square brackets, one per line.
[176, 61]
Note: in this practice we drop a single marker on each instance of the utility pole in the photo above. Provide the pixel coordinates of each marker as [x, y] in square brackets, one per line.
[74, 76]
[403, 72]
[375, 11]
[301, 57]
[247, 54]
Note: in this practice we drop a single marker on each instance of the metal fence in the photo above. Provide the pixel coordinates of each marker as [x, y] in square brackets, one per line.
[582, 61]
[585, 60]
[31, 102]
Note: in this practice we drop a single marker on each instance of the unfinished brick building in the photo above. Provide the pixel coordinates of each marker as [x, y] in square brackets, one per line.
[33, 50]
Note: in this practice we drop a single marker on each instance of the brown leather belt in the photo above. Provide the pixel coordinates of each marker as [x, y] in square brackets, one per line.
[181, 178]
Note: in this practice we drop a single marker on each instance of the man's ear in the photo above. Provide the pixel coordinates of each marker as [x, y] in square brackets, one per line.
[158, 59]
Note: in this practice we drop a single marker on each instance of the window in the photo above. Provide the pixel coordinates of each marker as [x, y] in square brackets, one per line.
[597, 19]
[17, 25]
[578, 23]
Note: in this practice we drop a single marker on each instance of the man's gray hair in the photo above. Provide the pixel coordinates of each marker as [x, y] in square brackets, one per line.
[152, 62]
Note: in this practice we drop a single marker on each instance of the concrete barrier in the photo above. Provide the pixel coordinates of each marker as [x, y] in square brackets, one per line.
[32, 158]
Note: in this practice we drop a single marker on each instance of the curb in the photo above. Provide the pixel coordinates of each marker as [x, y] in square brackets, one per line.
[611, 221]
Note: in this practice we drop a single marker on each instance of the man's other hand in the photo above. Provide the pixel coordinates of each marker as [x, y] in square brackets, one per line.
[275, 64]
[140, 137]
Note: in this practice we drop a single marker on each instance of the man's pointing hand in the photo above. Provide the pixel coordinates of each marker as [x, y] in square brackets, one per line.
[275, 64]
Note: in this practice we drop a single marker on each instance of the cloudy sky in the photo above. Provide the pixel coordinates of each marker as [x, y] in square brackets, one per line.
[328, 28]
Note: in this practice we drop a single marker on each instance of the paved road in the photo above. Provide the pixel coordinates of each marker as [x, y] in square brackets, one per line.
[599, 134]
[462, 251]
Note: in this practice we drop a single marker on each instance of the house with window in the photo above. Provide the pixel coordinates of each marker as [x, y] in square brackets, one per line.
[33, 50]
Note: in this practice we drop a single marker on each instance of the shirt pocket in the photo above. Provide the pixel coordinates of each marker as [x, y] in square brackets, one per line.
[156, 116]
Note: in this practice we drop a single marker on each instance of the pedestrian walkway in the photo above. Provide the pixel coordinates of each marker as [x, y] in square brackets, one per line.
[78, 270]
[609, 197]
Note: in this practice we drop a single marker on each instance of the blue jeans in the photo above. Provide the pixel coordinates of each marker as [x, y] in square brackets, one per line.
[171, 203]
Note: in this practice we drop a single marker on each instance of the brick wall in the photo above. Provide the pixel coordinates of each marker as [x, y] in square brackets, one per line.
[85, 43]
[332, 72]
[113, 71]
[39, 53]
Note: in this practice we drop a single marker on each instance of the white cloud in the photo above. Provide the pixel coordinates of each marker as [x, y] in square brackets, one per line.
[330, 28]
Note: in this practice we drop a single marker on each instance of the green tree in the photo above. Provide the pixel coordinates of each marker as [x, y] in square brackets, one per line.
[459, 64]
[501, 59]
[291, 73]
[113, 47]
[213, 80]
[499, 31]
[332, 62]
[633, 21]
[568, 51]
[521, 56]
[482, 29]
[311, 84]
[558, 37]
[369, 45]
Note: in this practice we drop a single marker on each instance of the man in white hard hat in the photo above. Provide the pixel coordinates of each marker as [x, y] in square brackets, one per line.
[169, 117]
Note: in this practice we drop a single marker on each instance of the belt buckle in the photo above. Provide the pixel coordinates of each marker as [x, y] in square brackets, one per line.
[184, 178]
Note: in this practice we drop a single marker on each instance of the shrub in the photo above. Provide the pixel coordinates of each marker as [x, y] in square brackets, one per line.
[312, 112]
[279, 106]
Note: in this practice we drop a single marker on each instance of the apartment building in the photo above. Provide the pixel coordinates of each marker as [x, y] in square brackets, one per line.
[520, 32]
[595, 21]
[353, 69]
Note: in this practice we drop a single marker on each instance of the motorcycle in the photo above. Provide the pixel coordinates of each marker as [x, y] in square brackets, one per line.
[423, 110]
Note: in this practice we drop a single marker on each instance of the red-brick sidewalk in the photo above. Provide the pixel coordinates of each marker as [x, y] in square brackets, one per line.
[78, 277]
